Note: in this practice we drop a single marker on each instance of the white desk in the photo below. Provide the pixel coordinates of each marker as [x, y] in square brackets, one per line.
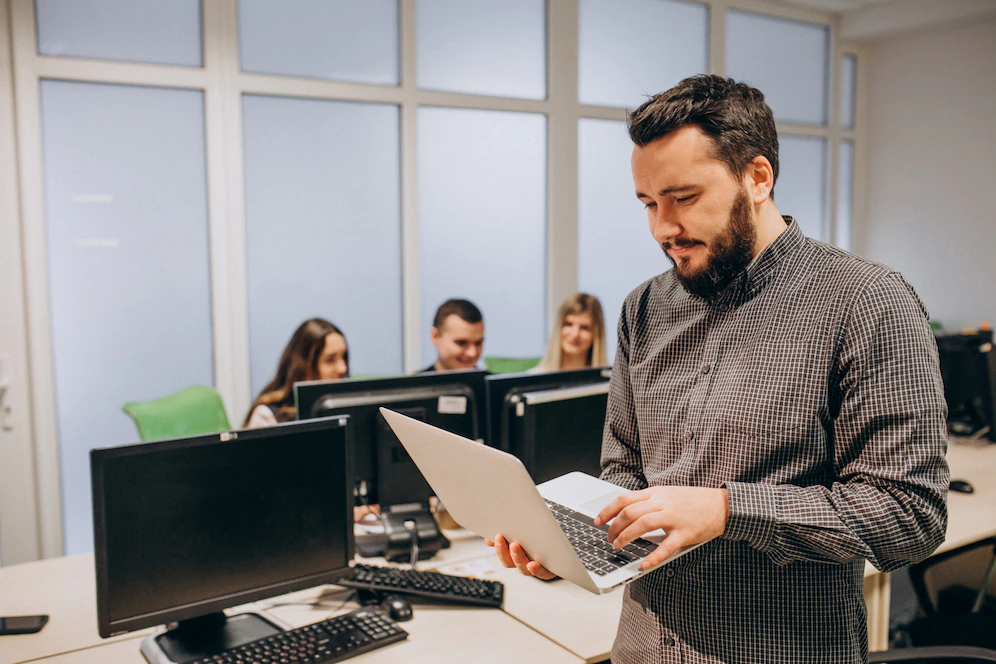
[971, 517]
[65, 589]
[555, 622]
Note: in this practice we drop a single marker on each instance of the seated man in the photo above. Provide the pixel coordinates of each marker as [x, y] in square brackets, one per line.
[458, 335]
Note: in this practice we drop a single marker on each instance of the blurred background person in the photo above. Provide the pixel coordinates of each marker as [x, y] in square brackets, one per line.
[316, 351]
[578, 339]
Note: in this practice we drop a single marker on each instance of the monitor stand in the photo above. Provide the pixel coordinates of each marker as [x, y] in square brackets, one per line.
[209, 635]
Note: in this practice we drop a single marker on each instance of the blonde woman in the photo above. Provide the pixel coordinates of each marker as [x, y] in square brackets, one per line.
[578, 339]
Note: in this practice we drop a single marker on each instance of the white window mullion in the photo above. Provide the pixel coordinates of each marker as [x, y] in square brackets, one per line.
[28, 113]
[562, 155]
[226, 202]
[410, 275]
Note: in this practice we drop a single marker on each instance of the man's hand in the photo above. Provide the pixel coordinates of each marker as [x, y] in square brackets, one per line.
[513, 555]
[689, 515]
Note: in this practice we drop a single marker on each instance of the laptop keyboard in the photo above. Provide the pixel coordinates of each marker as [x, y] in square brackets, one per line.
[592, 543]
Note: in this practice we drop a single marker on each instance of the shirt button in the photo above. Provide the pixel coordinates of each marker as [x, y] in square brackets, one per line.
[669, 642]
[706, 368]
[691, 435]
[670, 573]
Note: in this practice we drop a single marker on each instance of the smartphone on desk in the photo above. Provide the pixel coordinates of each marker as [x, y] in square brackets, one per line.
[22, 624]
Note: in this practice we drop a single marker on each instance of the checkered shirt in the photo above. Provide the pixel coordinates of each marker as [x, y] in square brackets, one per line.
[811, 391]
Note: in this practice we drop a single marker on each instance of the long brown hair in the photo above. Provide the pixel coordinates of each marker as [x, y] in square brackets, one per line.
[298, 362]
[579, 303]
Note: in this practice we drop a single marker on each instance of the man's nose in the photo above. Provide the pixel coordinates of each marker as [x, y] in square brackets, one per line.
[665, 227]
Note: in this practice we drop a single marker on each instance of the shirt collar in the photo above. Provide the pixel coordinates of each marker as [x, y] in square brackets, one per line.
[763, 268]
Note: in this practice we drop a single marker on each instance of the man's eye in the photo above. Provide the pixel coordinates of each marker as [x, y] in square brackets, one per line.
[685, 199]
[648, 206]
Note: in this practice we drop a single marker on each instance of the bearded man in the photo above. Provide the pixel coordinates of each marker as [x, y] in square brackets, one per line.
[772, 396]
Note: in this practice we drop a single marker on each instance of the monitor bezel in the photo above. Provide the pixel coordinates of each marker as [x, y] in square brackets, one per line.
[311, 391]
[107, 627]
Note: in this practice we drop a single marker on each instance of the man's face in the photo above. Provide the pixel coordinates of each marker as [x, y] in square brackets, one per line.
[700, 215]
[458, 343]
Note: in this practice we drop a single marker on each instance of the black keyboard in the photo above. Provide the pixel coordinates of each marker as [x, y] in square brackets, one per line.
[461, 589]
[592, 543]
[331, 640]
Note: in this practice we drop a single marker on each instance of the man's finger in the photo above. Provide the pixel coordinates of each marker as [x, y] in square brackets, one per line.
[501, 550]
[670, 546]
[520, 558]
[539, 571]
[638, 528]
[626, 517]
[489, 542]
[610, 511]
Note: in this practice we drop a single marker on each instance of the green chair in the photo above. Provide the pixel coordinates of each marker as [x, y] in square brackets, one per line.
[505, 365]
[195, 410]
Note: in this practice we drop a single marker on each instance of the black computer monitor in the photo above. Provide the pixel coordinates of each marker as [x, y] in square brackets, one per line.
[559, 430]
[968, 369]
[384, 473]
[186, 528]
[504, 392]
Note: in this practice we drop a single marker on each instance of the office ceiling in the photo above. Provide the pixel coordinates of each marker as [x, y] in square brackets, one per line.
[840, 6]
[866, 20]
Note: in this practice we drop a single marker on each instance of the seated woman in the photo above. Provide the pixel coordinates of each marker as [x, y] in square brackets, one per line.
[317, 351]
[578, 339]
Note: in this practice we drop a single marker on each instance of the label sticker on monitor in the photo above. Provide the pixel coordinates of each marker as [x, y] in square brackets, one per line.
[452, 405]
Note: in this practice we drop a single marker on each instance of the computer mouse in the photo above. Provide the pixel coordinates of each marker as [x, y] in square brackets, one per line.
[397, 607]
[961, 486]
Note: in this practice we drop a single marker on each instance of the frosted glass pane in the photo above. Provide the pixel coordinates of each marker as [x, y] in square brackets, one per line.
[848, 89]
[845, 195]
[129, 283]
[786, 60]
[801, 187]
[615, 68]
[616, 252]
[482, 223]
[482, 47]
[323, 224]
[157, 31]
[342, 40]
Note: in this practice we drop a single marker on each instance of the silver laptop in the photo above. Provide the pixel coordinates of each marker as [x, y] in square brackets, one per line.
[489, 492]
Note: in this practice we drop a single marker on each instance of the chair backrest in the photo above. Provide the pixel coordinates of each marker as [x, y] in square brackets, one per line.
[195, 410]
[964, 566]
[504, 365]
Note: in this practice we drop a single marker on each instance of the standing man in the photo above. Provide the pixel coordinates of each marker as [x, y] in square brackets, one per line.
[458, 335]
[772, 395]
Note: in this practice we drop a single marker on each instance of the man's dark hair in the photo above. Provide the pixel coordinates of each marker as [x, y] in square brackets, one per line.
[465, 309]
[733, 114]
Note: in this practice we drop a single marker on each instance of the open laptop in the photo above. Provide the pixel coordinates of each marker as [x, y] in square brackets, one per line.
[489, 492]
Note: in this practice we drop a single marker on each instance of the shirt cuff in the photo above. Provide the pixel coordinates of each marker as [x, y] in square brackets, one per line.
[753, 513]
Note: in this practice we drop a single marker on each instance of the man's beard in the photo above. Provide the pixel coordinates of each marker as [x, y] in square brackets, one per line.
[729, 255]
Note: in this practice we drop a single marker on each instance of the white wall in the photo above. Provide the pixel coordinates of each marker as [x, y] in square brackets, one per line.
[931, 168]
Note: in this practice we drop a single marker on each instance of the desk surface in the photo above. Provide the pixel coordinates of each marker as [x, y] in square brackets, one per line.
[64, 588]
[971, 516]
[555, 622]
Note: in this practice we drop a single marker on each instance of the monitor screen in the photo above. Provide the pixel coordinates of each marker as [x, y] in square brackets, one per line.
[968, 369]
[503, 391]
[188, 527]
[384, 472]
[559, 431]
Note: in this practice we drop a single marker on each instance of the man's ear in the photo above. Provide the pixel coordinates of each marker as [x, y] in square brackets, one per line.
[760, 179]
[434, 336]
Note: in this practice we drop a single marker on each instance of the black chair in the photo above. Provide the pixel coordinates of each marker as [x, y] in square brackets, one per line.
[960, 617]
[934, 655]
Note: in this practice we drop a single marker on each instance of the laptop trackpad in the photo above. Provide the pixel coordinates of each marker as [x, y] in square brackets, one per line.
[595, 505]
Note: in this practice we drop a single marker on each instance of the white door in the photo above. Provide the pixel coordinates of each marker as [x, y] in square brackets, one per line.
[19, 537]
